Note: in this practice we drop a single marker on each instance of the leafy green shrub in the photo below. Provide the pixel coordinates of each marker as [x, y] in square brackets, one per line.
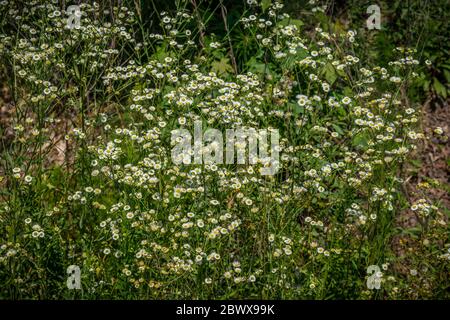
[140, 226]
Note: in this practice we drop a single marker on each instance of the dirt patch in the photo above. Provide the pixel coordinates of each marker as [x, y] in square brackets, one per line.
[429, 172]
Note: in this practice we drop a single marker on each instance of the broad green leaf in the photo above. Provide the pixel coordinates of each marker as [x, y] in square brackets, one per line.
[447, 75]
[296, 108]
[287, 21]
[360, 140]
[440, 88]
[222, 66]
[330, 73]
[338, 129]
[348, 91]
[265, 4]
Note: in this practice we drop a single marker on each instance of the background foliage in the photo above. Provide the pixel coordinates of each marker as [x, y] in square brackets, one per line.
[68, 198]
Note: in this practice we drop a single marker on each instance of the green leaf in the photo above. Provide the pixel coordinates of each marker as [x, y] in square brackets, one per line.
[298, 23]
[348, 91]
[265, 4]
[160, 53]
[440, 88]
[50, 186]
[360, 140]
[296, 108]
[255, 66]
[287, 21]
[417, 163]
[447, 75]
[338, 129]
[222, 67]
[330, 73]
